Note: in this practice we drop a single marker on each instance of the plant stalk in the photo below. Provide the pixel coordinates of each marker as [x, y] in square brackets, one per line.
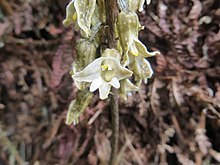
[115, 127]
[111, 15]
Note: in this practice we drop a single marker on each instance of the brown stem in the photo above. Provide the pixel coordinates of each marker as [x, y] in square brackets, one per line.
[111, 14]
[115, 127]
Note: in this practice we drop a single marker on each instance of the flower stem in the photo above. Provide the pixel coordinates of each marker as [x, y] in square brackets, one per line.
[111, 14]
[115, 127]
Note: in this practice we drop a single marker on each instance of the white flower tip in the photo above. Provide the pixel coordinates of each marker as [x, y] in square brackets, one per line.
[104, 90]
[115, 83]
[141, 9]
[148, 2]
[103, 98]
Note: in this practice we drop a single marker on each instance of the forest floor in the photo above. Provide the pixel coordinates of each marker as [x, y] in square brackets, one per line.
[174, 119]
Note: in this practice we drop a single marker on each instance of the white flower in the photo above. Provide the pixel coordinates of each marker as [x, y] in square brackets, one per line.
[80, 13]
[103, 73]
[141, 68]
[128, 27]
[127, 87]
[104, 86]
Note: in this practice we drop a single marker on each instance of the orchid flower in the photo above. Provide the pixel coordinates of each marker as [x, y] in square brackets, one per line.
[141, 68]
[126, 88]
[103, 73]
[128, 27]
[134, 51]
[80, 11]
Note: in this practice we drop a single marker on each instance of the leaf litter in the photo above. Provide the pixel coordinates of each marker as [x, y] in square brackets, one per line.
[174, 119]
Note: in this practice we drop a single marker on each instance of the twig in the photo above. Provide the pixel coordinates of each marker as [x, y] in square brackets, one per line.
[13, 151]
[111, 13]
[177, 128]
[54, 131]
[131, 147]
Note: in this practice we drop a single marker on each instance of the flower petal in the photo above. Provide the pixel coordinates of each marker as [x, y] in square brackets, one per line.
[85, 10]
[148, 2]
[128, 26]
[141, 5]
[133, 50]
[91, 72]
[96, 84]
[147, 67]
[143, 50]
[126, 88]
[147, 70]
[70, 14]
[104, 91]
[115, 83]
[141, 68]
[121, 72]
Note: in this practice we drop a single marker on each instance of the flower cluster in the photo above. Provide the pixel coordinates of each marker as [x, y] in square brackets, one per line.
[98, 67]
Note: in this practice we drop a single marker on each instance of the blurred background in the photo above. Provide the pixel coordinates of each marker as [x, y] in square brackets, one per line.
[173, 120]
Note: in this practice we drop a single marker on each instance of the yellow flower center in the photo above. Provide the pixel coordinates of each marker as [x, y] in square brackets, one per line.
[104, 67]
[74, 16]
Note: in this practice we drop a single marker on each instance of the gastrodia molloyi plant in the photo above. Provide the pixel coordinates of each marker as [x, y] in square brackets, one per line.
[98, 67]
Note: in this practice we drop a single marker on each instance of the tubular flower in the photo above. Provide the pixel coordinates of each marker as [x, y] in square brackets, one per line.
[126, 88]
[103, 73]
[82, 12]
[141, 68]
[128, 26]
